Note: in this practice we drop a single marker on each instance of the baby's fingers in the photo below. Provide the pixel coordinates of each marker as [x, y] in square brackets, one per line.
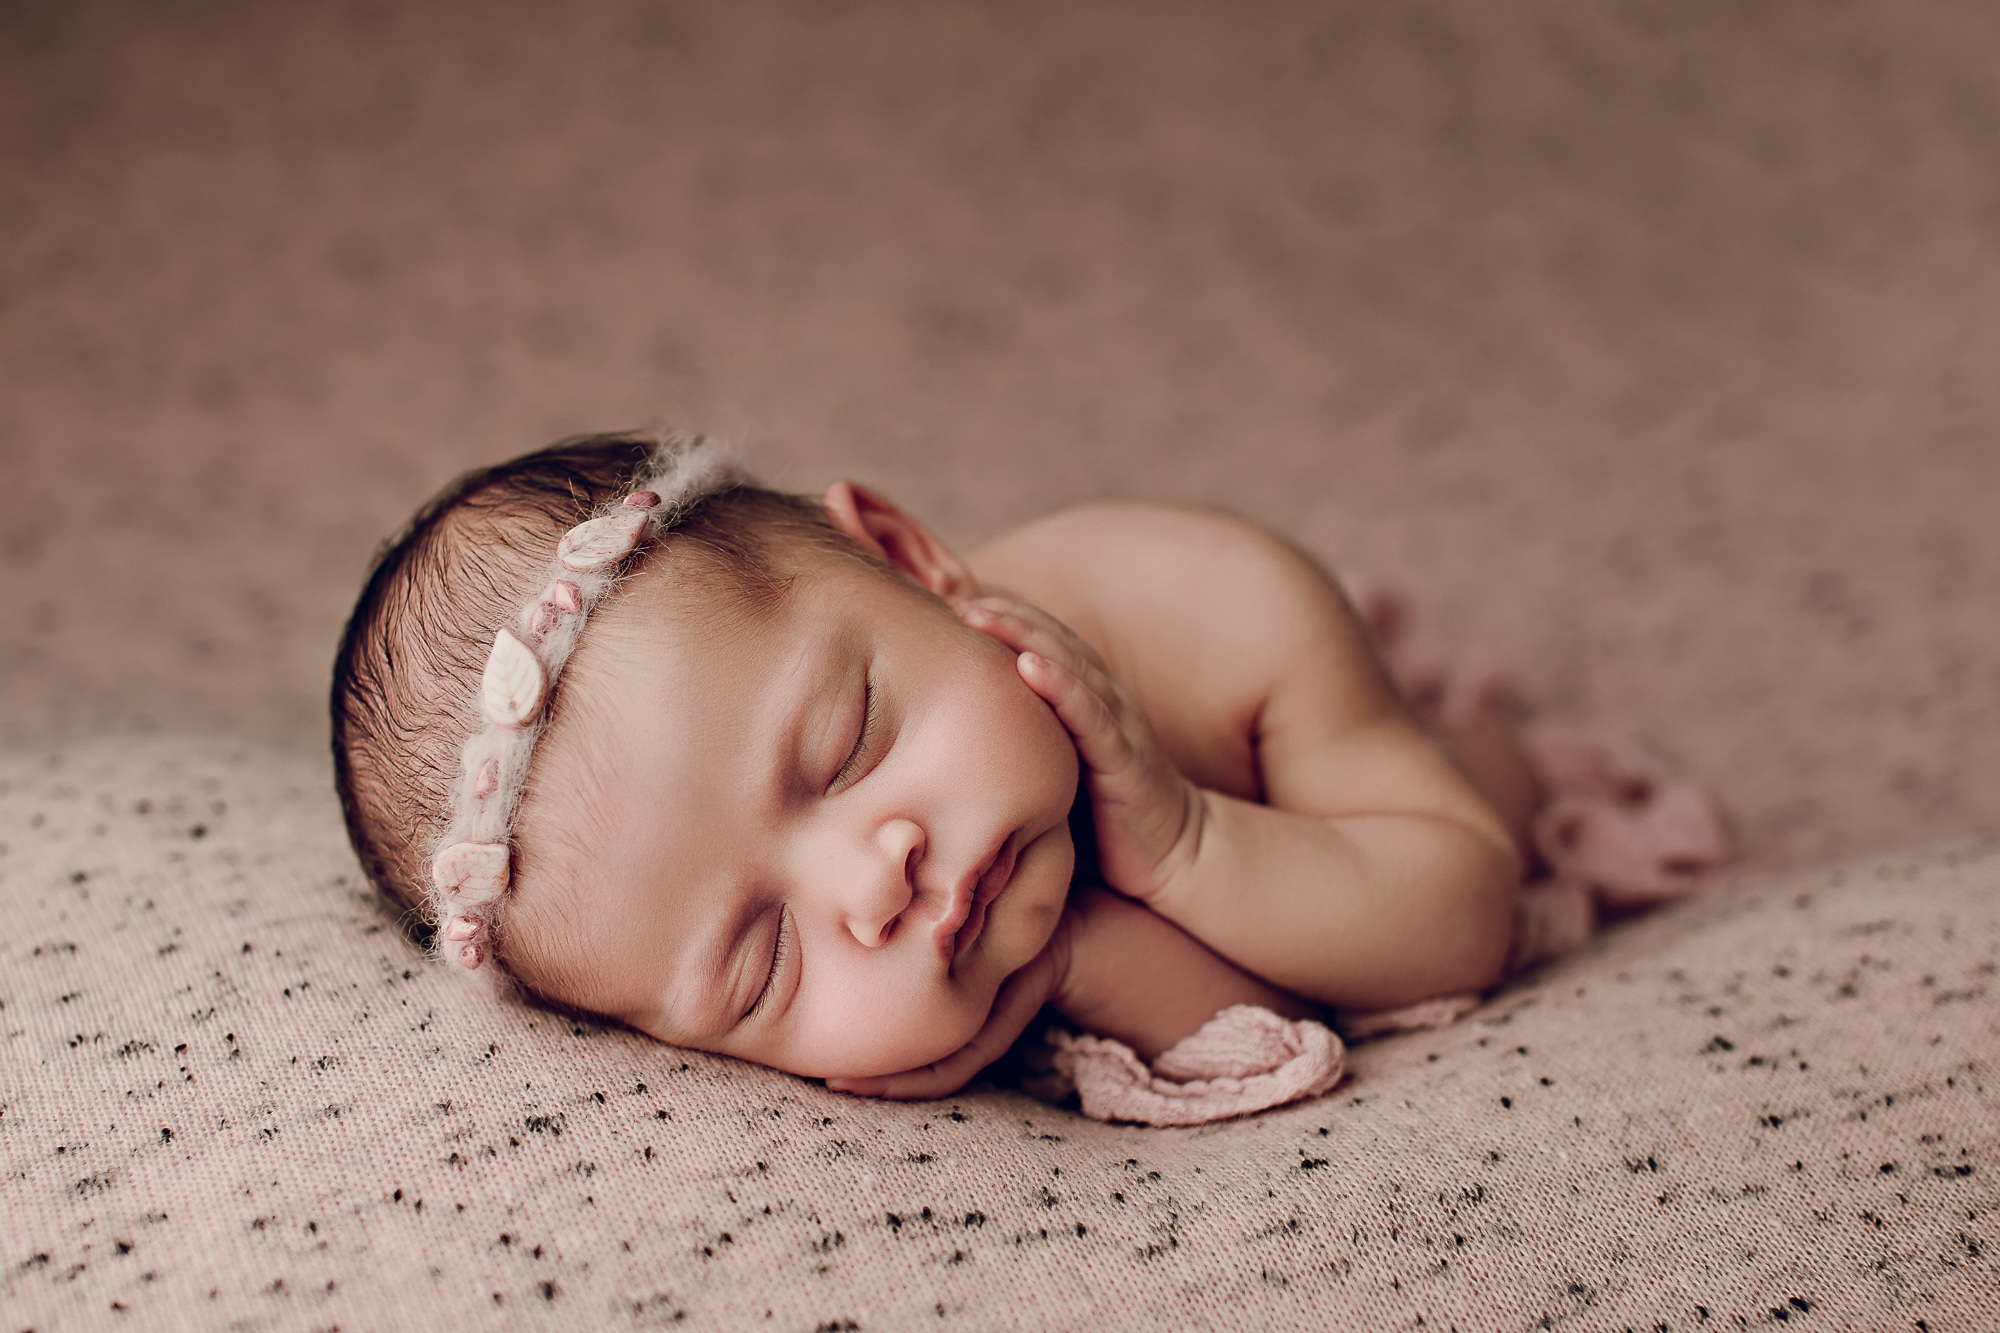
[1101, 743]
[1028, 630]
[917, 1085]
[1006, 621]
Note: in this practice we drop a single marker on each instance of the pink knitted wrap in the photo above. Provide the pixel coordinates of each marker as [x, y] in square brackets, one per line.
[1244, 1059]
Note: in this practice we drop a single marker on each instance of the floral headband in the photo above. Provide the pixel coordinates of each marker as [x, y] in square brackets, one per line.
[470, 872]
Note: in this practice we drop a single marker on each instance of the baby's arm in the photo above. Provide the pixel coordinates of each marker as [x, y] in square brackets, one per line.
[1113, 968]
[1136, 976]
[1373, 877]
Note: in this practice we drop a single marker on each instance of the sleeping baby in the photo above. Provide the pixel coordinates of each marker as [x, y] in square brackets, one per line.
[789, 779]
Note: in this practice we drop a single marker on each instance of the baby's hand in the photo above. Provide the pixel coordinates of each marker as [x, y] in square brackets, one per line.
[1147, 814]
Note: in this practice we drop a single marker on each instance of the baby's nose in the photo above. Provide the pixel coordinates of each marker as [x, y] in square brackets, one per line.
[882, 892]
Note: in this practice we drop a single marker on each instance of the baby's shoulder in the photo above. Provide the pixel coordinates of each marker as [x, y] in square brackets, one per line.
[1185, 570]
[1206, 616]
[1226, 633]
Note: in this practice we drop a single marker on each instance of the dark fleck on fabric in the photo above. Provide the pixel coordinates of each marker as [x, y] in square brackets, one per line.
[231, 1095]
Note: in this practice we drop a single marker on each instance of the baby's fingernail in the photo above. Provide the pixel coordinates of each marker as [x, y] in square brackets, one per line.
[1034, 661]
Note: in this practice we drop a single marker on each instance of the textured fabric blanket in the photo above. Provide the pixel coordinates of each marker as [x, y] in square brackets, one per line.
[1650, 343]
[231, 1095]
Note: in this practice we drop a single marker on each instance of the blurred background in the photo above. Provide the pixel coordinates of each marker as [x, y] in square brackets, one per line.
[1641, 341]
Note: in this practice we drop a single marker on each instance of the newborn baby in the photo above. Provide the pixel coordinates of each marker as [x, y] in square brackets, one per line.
[790, 780]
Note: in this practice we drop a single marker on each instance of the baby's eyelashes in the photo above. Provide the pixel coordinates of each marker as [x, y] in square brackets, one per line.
[779, 949]
[875, 736]
[850, 767]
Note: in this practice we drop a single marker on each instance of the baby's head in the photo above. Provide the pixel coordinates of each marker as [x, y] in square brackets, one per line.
[777, 802]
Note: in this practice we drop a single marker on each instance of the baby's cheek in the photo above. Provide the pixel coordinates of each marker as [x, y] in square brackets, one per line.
[856, 1032]
[923, 1039]
[917, 1030]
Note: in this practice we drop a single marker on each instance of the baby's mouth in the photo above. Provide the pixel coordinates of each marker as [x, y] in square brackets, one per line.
[991, 884]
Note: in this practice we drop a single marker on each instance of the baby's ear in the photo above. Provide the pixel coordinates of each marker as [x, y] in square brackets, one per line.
[901, 540]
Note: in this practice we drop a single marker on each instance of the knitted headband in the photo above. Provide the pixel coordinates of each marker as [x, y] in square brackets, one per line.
[470, 872]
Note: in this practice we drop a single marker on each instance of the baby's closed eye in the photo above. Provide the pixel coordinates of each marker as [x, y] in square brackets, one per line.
[781, 947]
[856, 765]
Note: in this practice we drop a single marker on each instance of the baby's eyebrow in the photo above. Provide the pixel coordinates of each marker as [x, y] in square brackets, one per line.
[806, 690]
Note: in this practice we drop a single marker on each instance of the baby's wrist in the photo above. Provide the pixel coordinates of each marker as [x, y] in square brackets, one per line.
[1167, 878]
[1059, 957]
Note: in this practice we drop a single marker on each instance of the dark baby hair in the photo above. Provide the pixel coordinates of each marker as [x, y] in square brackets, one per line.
[406, 677]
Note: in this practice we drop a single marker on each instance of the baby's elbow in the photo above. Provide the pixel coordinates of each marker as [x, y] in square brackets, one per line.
[1486, 883]
[1485, 961]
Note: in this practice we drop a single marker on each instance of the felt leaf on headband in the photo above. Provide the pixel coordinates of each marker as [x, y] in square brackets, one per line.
[602, 541]
[471, 872]
[537, 619]
[513, 686]
[560, 598]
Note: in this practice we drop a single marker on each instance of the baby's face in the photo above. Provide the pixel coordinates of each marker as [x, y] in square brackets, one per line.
[819, 836]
